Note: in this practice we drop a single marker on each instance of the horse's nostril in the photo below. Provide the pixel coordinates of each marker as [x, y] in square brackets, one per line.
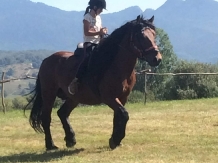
[155, 60]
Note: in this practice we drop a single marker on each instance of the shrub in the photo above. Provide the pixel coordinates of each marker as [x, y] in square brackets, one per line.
[186, 94]
[19, 103]
[135, 97]
[8, 104]
[58, 102]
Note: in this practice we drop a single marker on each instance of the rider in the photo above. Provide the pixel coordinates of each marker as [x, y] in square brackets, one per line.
[93, 32]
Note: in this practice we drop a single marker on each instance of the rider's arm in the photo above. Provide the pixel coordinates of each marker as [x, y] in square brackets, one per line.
[89, 32]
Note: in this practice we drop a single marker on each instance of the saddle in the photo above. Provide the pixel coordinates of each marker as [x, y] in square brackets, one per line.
[84, 54]
[86, 48]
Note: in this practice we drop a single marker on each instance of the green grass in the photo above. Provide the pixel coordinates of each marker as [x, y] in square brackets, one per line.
[160, 132]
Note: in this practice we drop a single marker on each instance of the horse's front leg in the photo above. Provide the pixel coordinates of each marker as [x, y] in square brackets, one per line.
[121, 117]
[64, 113]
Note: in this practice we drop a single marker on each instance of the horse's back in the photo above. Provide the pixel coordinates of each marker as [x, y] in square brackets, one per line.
[63, 54]
[52, 62]
[55, 68]
[56, 57]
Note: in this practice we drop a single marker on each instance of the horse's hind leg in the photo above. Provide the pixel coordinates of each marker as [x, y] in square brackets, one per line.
[48, 101]
[64, 113]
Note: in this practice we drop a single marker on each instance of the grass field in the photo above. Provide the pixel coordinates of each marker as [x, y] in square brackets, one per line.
[160, 132]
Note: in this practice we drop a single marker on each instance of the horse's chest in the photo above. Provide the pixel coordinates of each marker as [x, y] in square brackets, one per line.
[126, 85]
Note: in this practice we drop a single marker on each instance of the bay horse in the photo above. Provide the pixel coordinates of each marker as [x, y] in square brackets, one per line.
[109, 79]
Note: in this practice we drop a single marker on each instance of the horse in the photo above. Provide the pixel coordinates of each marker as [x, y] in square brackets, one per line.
[109, 79]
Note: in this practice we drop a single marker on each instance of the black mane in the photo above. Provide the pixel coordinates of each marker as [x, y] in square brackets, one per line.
[104, 54]
[106, 51]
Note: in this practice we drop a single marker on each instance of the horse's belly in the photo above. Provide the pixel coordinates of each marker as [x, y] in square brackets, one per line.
[86, 96]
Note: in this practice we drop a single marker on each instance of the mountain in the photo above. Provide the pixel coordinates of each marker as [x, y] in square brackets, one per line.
[26, 25]
[190, 24]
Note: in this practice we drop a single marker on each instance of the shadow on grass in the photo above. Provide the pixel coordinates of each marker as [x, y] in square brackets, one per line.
[102, 149]
[42, 157]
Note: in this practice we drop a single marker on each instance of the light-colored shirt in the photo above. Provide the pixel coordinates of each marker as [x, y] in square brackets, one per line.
[95, 25]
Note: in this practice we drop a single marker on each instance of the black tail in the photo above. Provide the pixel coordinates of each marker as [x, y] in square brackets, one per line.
[36, 111]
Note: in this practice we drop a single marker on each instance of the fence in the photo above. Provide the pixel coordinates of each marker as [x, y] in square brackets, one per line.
[9, 80]
[148, 72]
[145, 72]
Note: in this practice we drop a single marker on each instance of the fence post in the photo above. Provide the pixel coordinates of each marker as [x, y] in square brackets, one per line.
[145, 91]
[2, 93]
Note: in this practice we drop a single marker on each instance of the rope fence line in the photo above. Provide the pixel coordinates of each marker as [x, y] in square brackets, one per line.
[143, 72]
[178, 74]
[148, 72]
[13, 79]
[9, 80]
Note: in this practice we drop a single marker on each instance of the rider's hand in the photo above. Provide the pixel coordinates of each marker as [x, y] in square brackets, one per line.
[103, 31]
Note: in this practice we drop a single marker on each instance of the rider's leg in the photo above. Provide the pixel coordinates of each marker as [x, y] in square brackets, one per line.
[88, 48]
[80, 53]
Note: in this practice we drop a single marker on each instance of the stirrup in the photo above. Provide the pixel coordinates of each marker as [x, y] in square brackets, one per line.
[73, 87]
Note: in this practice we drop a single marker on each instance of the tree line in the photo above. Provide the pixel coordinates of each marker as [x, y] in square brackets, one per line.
[178, 87]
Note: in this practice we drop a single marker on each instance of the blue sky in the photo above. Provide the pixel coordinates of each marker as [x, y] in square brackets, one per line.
[112, 5]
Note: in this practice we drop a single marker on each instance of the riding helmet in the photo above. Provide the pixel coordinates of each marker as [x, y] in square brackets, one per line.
[97, 3]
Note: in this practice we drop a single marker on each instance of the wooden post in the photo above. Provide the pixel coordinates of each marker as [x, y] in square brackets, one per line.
[145, 91]
[2, 93]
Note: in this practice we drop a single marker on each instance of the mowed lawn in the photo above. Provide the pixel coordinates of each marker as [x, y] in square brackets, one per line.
[160, 132]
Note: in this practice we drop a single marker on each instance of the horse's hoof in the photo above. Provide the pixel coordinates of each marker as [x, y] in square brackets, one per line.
[112, 144]
[120, 145]
[51, 148]
[70, 144]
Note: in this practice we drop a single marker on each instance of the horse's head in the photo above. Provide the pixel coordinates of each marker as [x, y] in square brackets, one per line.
[143, 41]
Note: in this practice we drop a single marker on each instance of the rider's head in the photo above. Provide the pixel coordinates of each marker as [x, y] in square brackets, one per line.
[96, 5]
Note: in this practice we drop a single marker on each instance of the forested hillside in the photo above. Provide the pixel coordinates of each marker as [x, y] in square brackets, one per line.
[19, 64]
[17, 57]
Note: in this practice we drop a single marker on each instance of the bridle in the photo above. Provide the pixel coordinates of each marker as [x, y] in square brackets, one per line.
[140, 49]
[144, 52]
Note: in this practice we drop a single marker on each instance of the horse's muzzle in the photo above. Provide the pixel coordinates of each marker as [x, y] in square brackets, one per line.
[155, 60]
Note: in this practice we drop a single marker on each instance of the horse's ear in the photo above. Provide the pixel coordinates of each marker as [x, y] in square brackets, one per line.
[142, 18]
[138, 19]
[151, 20]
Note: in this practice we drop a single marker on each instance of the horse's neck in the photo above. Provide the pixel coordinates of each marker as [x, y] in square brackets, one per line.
[125, 60]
